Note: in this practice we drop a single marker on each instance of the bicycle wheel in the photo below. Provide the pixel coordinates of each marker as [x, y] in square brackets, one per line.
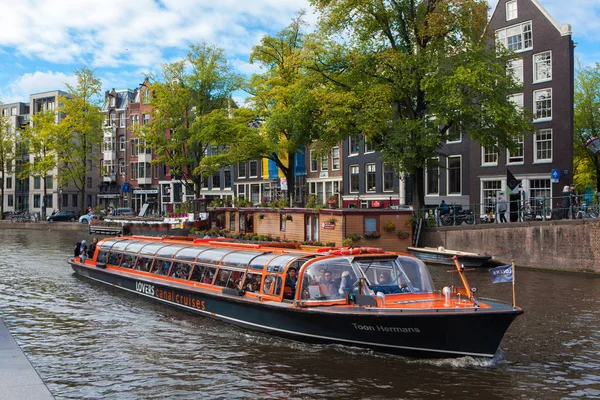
[470, 219]
[447, 220]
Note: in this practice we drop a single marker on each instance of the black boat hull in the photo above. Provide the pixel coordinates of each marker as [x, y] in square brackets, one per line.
[422, 333]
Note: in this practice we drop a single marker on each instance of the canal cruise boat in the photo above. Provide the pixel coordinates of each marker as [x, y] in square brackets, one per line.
[361, 297]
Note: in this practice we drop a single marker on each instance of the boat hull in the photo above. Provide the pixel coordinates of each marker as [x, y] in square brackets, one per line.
[446, 257]
[422, 333]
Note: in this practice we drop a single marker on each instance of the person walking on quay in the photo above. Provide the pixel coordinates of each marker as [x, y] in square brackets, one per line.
[566, 201]
[502, 207]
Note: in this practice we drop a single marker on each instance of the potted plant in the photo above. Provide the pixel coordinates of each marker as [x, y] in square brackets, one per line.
[355, 237]
[288, 218]
[372, 235]
[403, 235]
[332, 201]
[332, 221]
[389, 226]
[261, 216]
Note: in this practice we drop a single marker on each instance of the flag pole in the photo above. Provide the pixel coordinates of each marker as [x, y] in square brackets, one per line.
[513, 283]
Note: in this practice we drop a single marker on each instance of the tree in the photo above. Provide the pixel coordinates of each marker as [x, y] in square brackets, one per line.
[7, 155]
[39, 138]
[284, 98]
[180, 131]
[587, 126]
[416, 68]
[79, 134]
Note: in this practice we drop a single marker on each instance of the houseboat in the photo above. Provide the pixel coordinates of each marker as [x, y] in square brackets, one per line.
[362, 297]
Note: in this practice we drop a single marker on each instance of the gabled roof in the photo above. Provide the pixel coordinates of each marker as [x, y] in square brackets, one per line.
[564, 30]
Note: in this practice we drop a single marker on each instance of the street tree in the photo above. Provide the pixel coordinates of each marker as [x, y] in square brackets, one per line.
[183, 101]
[7, 156]
[79, 134]
[39, 137]
[416, 68]
[586, 126]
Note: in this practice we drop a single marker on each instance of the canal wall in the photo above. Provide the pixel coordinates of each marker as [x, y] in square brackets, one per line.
[568, 245]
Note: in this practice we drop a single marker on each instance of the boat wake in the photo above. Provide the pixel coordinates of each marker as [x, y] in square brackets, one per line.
[462, 362]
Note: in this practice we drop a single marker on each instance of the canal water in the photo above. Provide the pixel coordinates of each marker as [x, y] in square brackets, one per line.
[90, 341]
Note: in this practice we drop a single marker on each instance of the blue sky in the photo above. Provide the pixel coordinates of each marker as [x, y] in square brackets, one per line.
[42, 42]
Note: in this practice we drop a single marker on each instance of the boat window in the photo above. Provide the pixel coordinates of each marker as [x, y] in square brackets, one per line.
[102, 256]
[228, 278]
[272, 285]
[150, 249]
[203, 274]
[143, 263]
[114, 258]
[107, 244]
[180, 270]
[278, 263]
[168, 251]
[127, 261]
[328, 280]
[252, 282]
[161, 267]
[134, 247]
[417, 274]
[239, 259]
[259, 262]
[189, 253]
[213, 255]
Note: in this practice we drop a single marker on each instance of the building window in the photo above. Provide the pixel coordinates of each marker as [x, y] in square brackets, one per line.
[516, 156]
[216, 181]
[241, 170]
[454, 175]
[369, 147]
[112, 101]
[542, 104]
[388, 177]
[253, 169]
[112, 119]
[489, 156]
[49, 182]
[74, 201]
[146, 119]
[491, 189]
[122, 143]
[517, 100]
[515, 68]
[146, 96]
[36, 182]
[11, 200]
[370, 224]
[511, 10]
[539, 189]
[542, 145]
[13, 111]
[335, 158]
[89, 182]
[227, 174]
[9, 182]
[353, 146]
[516, 38]
[36, 201]
[313, 161]
[325, 162]
[542, 67]
[122, 168]
[354, 178]
[122, 120]
[454, 133]
[135, 119]
[371, 179]
[432, 177]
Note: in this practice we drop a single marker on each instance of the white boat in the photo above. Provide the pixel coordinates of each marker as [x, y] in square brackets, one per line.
[441, 255]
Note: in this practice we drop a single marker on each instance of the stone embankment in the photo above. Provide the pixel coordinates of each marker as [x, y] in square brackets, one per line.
[43, 225]
[566, 245]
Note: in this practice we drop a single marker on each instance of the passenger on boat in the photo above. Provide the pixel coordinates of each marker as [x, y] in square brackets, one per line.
[347, 283]
[327, 284]
[384, 278]
[222, 278]
[268, 285]
[291, 282]
[77, 251]
[92, 248]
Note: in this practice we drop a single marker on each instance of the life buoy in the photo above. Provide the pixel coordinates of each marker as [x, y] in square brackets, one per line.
[374, 250]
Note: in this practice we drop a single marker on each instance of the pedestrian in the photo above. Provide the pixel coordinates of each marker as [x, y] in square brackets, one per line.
[502, 207]
[444, 209]
[566, 201]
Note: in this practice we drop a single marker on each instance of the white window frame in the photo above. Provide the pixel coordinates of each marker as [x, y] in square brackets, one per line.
[537, 142]
[511, 10]
[449, 134]
[122, 118]
[122, 143]
[250, 169]
[245, 170]
[489, 201]
[518, 157]
[540, 61]
[368, 168]
[335, 159]
[525, 31]
[538, 102]
[352, 140]
[369, 147]
[448, 175]
[514, 67]
[488, 154]
[435, 160]
[325, 162]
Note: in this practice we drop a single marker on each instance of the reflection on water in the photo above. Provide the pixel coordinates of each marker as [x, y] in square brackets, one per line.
[91, 341]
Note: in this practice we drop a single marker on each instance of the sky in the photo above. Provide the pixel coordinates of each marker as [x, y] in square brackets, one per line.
[43, 42]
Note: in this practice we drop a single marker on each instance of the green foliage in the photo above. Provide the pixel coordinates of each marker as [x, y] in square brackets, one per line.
[403, 235]
[372, 235]
[312, 201]
[389, 226]
[7, 155]
[586, 125]
[355, 237]
[347, 242]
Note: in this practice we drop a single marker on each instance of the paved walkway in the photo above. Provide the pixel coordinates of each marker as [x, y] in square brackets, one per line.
[18, 379]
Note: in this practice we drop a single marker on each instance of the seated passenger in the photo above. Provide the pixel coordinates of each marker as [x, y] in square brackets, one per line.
[327, 284]
[208, 277]
[384, 278]
[268, 285]
[222, 278]
[291, 281]
[347, 283]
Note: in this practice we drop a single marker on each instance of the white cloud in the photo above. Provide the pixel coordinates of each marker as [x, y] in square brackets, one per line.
[37, 82]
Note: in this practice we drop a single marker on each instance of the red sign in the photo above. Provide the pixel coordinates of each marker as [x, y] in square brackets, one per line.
[376, 203]
[328, 226]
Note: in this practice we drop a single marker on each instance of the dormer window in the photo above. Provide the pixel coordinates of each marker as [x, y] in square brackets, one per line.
[112, 101]
[511, 10]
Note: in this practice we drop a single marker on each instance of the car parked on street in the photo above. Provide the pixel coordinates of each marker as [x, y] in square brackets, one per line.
[62, 216]
[124, 211]
[87, 218]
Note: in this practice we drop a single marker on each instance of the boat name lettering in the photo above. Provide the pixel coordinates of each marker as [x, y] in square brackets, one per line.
[380, 328]
[186, 300]
[144, 288]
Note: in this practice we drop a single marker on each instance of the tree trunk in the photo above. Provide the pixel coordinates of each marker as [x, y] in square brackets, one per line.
[418, 189]
[2, 196]
[43, 214]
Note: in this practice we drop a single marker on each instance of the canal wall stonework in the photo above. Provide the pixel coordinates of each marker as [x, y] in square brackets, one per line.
[570, 245]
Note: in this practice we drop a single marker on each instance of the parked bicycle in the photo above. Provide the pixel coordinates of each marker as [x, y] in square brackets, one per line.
[456, 216]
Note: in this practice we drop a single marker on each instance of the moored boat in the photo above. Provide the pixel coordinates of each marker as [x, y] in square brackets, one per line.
[355, 296]
[440, 255]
